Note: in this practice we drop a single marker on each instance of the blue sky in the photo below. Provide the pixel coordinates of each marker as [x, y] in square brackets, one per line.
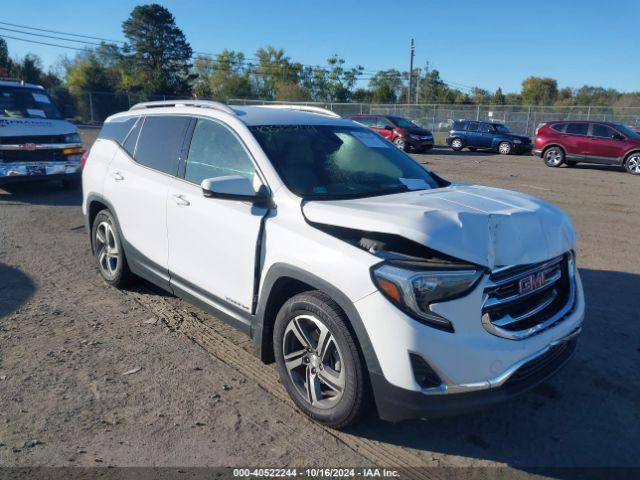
[488, 44]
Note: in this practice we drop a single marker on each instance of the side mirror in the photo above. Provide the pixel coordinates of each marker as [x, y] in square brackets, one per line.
[617, 136]
[234, 187]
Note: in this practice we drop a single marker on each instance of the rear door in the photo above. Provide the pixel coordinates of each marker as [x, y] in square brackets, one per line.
[473, 136]
[137, 184]
[575, 140]
[212, 242]
[605, 145]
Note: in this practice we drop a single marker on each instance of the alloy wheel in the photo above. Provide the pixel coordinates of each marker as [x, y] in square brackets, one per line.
[107, 249]
[398, 142]
[314, 361]
[553, 157]
[504, 148]
[633, 164]
[457, 144]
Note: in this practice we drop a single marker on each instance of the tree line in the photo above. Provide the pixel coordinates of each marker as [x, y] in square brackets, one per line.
[157, 60]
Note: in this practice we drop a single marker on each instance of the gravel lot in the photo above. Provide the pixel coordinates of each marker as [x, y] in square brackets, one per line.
[199, 398]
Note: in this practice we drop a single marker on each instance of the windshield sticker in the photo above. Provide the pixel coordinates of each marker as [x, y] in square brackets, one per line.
[371, 139]
[414, 183]
[40, 98]
[36, 112]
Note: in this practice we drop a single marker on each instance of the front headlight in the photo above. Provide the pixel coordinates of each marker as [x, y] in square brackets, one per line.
[415, 137]
[415, 290]
[72, 138]
[515, 140]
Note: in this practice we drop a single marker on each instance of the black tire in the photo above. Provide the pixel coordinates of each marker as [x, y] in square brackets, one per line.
[72, 184]
[571, 163]
[505, 148]
[401, 144]
[457, 144]
[113, 265]
[299, 315]
[632, 163]
[553, 157]
[472, 149]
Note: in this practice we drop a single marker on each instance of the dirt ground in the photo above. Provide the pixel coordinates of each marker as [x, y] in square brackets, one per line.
[93, 376]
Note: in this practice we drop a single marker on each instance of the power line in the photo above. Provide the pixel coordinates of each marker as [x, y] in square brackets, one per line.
[365, 74]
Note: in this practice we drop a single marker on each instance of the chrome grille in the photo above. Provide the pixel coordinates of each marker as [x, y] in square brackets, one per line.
[522, 300]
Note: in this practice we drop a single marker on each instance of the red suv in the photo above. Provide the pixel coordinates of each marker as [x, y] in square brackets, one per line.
[571, 142]
[403, 133]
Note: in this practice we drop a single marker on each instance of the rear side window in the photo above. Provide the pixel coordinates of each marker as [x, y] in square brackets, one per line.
[117, 129]
[473, 127]
[486, 128]
[577, 128]
[160, 143]
[458, 126]
[130, 142]
[559, 127]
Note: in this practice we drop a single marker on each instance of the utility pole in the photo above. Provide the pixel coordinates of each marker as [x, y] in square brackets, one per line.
[411, 52]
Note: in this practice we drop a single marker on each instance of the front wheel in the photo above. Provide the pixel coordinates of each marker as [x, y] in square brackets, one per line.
[401, 144]
[505, 148]
[318, 360]
[457, 144]
[553, 157]
[632, 164]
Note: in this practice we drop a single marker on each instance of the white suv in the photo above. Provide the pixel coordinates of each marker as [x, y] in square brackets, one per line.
[364, 275]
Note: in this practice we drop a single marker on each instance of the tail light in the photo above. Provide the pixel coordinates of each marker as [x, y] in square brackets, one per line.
[83, 160]
[539, 127]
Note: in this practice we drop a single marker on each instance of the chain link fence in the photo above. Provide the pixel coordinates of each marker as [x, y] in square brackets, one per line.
[95, 107]
[439, 117]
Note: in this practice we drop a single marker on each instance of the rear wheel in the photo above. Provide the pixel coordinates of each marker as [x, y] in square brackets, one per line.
[401, 144]
[632, 164]
[553, 157]
[457, 144]
[318, 360]
[504, 148]
[107, 249]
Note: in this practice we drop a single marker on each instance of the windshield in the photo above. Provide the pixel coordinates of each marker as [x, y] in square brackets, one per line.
[627, 131]
[329, 162]
[403, 122]
[26, 103]
[501, 128]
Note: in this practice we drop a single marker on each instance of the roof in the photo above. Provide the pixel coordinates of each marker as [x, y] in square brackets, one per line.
[257, 115]
[19, 84]
[249, 115]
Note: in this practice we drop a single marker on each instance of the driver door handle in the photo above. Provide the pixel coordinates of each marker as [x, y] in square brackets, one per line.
[117, 176]
[180, 200]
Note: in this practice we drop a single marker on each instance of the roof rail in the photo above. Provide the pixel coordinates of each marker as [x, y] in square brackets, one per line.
[184, 103]
[304, 108]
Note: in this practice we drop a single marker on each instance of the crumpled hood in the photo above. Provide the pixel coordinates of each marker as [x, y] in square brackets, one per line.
[486, 226]
[18, 127]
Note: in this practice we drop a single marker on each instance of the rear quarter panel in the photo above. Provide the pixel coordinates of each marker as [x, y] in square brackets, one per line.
[95, 169]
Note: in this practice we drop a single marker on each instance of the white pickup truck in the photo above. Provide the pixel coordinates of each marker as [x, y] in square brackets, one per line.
[35, 141]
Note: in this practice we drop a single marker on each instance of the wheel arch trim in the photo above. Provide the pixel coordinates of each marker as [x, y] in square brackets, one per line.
[262, 327]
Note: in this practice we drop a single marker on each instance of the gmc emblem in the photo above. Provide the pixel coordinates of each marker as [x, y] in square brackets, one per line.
[532, 282]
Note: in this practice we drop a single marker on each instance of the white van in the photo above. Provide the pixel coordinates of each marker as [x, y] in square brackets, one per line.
[367, 277]
[35, 141]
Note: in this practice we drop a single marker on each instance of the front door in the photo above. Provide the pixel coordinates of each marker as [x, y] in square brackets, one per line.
[212, 242]
[605, 145]
[487, 132]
